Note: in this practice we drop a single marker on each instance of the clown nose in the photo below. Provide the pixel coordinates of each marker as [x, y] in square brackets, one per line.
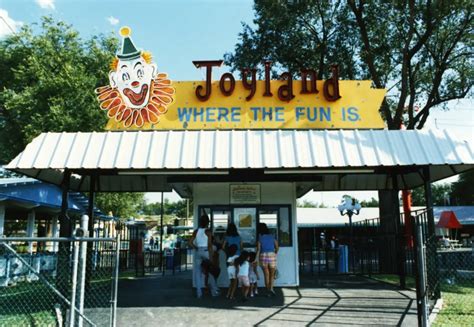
[135, 83]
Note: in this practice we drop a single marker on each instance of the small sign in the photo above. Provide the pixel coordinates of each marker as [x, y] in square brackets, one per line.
[245, 194]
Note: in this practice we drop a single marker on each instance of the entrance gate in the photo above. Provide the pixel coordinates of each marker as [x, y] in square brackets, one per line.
[65, 282]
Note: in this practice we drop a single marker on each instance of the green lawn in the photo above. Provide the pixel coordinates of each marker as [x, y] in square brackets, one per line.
[458, 305]
[32, 303]
[458, 301]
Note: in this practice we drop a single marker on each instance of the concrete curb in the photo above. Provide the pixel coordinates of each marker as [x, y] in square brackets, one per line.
[436, 309]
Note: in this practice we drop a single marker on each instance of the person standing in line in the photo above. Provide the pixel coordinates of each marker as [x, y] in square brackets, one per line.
[267, 250]
[232, 271]
[232, 237]
[201, 242]
[243, 266]
[253, 274]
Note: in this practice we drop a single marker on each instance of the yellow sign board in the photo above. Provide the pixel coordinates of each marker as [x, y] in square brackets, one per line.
[358, 107]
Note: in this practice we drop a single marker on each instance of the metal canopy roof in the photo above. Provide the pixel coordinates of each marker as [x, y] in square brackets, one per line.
[319, 160]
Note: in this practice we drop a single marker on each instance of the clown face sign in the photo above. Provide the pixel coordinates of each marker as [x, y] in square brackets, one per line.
[137, 93]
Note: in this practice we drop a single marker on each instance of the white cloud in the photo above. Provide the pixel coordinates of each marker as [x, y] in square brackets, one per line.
[7, 24]
[112, 20]
[46, 4]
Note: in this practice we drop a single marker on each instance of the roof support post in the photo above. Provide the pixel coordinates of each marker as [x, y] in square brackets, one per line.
[429, 201]
[30, 229]
[64, 249]
[90, 207]
[432, 263]
[163, 266]
[90, 227]
[2, 219]
[401, 255]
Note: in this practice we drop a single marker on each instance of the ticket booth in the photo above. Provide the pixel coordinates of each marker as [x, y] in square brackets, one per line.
[246, 205]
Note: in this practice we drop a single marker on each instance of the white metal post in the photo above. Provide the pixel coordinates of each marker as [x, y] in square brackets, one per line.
[30, 229]
[82, 269]
[55, 233]
[2, 219]
[72, 309]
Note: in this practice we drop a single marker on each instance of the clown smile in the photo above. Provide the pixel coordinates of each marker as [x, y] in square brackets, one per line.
[136, 98]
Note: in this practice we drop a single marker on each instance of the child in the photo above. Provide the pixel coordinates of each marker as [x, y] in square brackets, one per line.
[231, 271]
[243, 266]
[253, 274]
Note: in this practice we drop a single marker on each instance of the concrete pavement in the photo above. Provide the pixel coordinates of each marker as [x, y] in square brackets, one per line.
[319, 301]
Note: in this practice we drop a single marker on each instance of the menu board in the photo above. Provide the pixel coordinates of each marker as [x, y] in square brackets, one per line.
[246, 221]
[244, 193]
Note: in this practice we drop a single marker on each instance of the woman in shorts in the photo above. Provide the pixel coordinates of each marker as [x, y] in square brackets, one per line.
[267, 249]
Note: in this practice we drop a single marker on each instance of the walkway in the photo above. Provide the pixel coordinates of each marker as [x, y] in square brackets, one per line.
[328, 301]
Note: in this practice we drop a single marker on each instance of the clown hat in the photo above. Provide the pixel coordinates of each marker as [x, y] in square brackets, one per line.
[129, 51]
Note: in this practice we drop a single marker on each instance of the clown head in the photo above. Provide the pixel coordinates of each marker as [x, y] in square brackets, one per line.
[132, 73]
[137, 93]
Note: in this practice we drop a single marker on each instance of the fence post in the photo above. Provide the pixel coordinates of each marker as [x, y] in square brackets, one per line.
[74, 284]
[83, 264]
[115, 282]
[421, 294]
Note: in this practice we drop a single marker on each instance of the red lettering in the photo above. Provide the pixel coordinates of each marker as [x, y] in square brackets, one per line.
[231, 78]
[332, 83]
[285, 92]
[207, 88]
[252, 86]
[267, 92]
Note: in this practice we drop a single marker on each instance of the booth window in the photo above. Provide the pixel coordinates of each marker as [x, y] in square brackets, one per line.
[246, 219]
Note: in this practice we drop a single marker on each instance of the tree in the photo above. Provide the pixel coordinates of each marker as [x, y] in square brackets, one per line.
[463, 189]
[440, 195]
[177, 209]
[419, 50]
[123, 205]
[47, 82]
[309, 204]
[372, 203]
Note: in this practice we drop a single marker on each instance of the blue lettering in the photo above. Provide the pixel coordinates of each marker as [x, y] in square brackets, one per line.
[235, 114]
[353, 114]
[314, 115]
[223, 114]
[210, 112]
[266, 113]
[255, 112]
[279, 111]
[325, 113]
[198, 113]
[184, 114]
[299, 113]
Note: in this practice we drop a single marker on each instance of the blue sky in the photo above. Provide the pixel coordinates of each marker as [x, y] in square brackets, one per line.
[180, 31]
[176, 32]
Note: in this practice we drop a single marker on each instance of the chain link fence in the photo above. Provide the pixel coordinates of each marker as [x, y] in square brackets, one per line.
[445, 278]
[58, 281]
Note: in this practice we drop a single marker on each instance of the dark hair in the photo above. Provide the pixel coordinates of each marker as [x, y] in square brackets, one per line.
[232, 250]
[262, 229]
[241, 259]
[252, 256]
[204, 221]
[232, 230]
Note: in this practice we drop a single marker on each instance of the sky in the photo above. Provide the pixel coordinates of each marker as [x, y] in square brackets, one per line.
[180, 31]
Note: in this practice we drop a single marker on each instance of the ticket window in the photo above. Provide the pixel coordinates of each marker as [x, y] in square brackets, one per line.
[246, 219]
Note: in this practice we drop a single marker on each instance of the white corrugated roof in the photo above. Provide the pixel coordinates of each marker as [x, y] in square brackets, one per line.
[340, 157]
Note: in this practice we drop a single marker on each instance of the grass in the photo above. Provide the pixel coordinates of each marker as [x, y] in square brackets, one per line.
[32, 303]
[458, 305]
[458, 301]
